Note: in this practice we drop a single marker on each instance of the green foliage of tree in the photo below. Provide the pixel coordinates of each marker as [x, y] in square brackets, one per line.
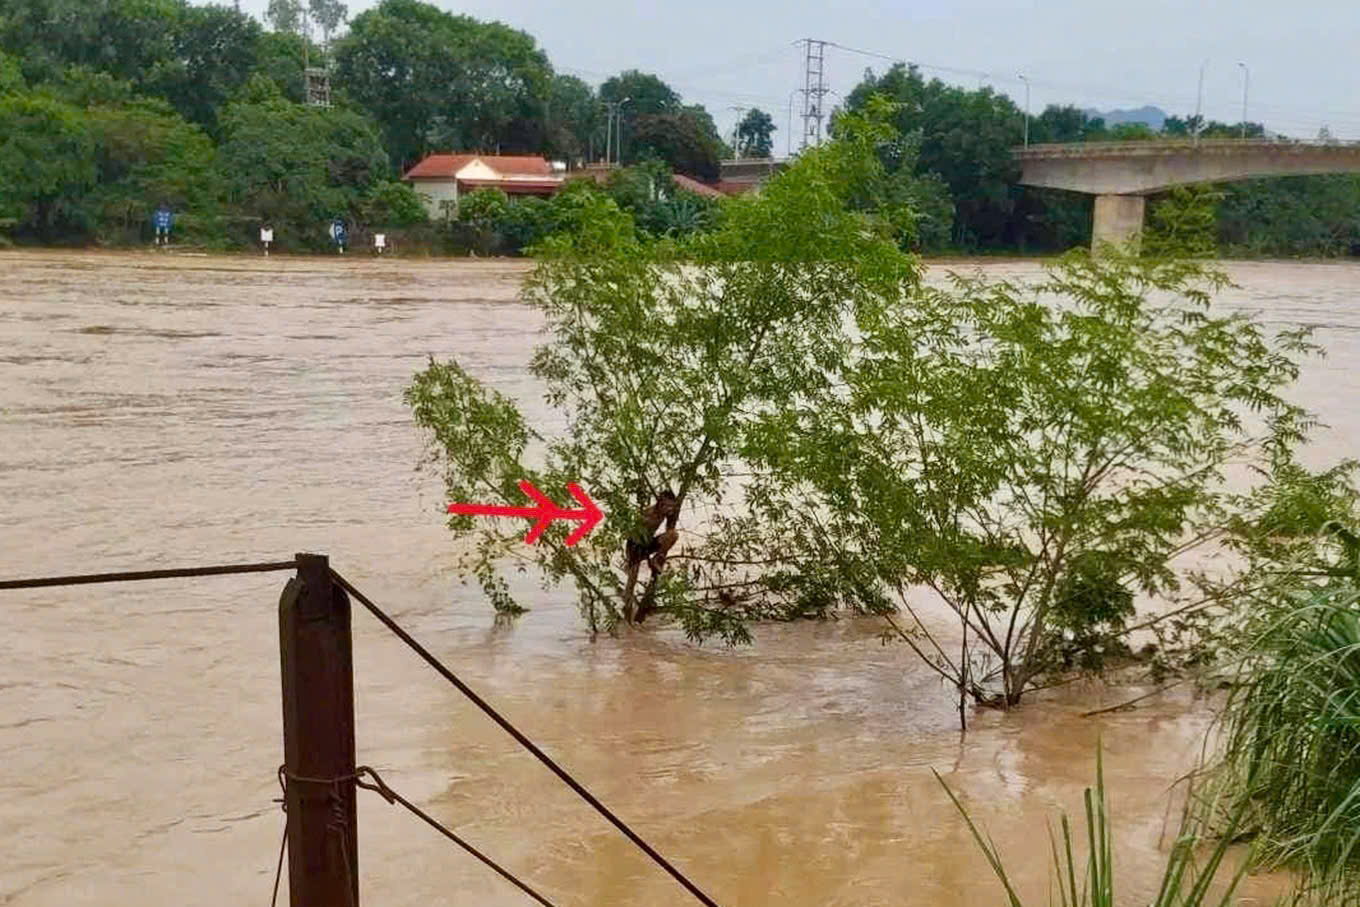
[636, 187]
[656, 123]
[298, 167]
[662, 370]
[147, 155]
[1131, 132]
[966, 137]
[647, 191]
[47, 165]
[1292, 216]
[392, 204]
[125, 38]
[284, 15]
[213, 50]
[1065, 123]
[328, 15]
[1212, 129]
[1053, 219]
[483, 207]
[647, 94]
[11, 74]
[574, 120]
[282, 58]
[755, 134]
[1183, 223]
[491, 222]
[919, 206]
[436, 81]
[1030, 456]
[681, 139]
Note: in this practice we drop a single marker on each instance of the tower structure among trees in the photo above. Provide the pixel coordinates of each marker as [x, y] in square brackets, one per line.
[814, 90]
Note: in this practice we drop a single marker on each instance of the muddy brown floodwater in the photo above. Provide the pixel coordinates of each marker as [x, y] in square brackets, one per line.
[166, 410]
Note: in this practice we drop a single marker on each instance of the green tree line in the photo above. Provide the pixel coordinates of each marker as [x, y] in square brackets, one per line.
[965, 137]
[110, 108]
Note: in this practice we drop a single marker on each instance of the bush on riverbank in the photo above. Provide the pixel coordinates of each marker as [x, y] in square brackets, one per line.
[1292, 758]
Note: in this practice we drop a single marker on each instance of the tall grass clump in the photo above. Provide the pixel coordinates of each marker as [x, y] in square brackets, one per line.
[1292, 756]
[1186, 880]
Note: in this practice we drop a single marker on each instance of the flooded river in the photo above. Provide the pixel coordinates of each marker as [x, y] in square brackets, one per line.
[170, 410]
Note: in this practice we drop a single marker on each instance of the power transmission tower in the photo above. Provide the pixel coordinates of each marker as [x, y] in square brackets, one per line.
[814, 90]
[318, 78]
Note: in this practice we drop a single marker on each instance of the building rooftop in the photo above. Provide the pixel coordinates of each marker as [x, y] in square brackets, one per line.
[445, 166]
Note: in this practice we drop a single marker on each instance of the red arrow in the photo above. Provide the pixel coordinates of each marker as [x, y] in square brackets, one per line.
[544, 513]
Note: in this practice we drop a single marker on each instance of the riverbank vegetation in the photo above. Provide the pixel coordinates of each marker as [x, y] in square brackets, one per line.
[110, 109]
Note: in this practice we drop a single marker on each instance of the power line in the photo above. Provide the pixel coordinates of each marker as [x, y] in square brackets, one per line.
[1111, 93]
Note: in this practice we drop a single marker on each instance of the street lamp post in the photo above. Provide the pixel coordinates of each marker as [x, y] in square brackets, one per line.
[618, 131]
[1024, 79]
[608, 131]
[1246, 81]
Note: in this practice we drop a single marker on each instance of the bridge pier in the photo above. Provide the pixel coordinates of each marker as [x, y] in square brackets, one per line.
[1118, 220]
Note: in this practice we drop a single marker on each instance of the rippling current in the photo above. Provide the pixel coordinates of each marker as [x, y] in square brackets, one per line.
[160, 410]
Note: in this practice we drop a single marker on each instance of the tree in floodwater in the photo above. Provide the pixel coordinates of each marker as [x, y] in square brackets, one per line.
[1032, 457]
[664, 359]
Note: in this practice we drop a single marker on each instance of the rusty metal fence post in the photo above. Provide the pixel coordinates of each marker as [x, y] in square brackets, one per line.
[318, 738]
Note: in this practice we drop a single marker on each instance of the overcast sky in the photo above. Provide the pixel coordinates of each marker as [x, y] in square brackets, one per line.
[1304, 55]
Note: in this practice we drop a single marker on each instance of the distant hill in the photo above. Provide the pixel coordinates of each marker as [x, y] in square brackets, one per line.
[1153, 117]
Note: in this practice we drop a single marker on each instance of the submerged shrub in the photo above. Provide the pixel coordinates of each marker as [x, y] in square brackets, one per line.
[664, 358]
[1031, 455]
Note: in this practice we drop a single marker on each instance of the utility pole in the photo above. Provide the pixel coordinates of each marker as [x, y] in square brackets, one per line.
[317, 668]
[618, 132]
[1199, 102]
[1246, 80]
[608, 130]
[736, 132]
[1025, 79]
[613, 129]
[788, 132]
[814, 89]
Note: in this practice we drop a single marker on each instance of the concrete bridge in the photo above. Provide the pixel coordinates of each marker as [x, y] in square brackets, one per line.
[1122, 174]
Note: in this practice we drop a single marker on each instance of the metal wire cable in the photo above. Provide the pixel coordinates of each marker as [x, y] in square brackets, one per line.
[380, 787]
[523, 741]
[278, 870]
[128, 576]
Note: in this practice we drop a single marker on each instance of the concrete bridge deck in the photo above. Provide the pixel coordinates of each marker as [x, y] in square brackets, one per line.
[1121, 174]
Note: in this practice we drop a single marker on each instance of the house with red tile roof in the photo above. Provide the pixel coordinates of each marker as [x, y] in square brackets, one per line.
[690, 184]
[440, 179]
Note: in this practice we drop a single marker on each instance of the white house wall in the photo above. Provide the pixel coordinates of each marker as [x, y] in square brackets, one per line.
[435, 192]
